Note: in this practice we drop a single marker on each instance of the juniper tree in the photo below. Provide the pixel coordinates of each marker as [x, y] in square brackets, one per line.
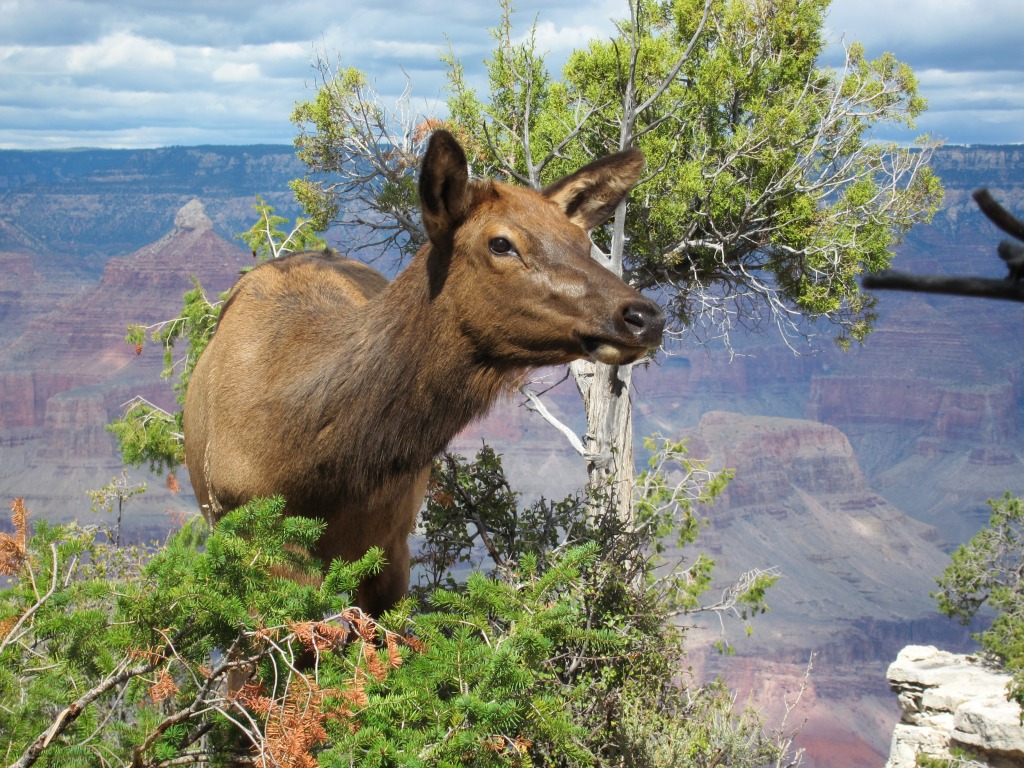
[765, 196]
[985, 578]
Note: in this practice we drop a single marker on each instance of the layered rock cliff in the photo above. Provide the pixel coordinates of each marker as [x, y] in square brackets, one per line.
[69, 371]
[856, 574]
[800, 500]
[92, 204]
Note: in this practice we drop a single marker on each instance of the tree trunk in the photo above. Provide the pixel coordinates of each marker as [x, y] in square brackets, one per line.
[609, 438]
[605, 390]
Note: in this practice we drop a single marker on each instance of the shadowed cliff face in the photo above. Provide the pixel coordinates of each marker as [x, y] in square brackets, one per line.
[801, 503]
[855, 583]
[86, 333]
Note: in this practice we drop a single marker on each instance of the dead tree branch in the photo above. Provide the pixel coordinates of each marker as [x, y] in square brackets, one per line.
[1012, 253]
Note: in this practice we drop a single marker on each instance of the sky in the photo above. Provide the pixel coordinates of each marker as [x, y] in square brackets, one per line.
[151, 73]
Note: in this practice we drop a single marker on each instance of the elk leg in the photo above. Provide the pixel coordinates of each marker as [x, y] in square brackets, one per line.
[380, 593]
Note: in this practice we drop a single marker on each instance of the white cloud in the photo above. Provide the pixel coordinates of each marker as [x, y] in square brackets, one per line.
[560, 41]
[979, 33]
[120, 50]
[237, 72]
[998, 89]
[100, 72]
[402, 50]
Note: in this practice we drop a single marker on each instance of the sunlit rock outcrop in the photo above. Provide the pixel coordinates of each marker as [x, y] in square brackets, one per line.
[953, 701]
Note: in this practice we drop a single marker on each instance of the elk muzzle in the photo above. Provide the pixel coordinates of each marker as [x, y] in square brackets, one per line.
[637, 326]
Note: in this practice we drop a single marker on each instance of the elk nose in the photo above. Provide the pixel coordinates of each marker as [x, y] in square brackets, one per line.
[645, 320]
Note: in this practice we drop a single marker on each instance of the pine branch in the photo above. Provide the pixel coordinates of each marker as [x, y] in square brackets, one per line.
[71, 713]
[64, 720]
[12, 634]
[981, 287]
[998, 215]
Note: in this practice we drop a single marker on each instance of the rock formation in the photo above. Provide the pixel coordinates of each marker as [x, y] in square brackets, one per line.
[953, 702]
[855, 580]
[800, 500]
[69, 371]
[95, 203]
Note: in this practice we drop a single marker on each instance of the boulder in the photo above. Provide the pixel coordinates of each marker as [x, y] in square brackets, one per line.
[953, 702]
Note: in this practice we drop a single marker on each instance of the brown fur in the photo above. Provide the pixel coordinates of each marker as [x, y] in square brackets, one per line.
[328, 385]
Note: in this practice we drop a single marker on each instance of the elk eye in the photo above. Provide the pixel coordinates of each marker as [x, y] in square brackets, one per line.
[501, 246]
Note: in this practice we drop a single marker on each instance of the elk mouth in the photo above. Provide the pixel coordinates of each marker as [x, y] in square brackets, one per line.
[617, 351]
[636, 327]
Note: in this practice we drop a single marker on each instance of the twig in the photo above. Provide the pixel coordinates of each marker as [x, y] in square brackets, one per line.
[75, 708]
[536, 405]
[983, 287]
[12, 634]
[998, 215]
[1011, 288]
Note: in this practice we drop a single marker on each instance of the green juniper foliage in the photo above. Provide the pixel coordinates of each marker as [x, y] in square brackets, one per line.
[103, 665]
[362, 174]
[471, 508]
[765, 188]
[985, 577]
[565, 657]
[268, 240]
[149, 435]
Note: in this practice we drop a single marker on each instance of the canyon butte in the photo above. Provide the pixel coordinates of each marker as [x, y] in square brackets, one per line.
[855, 473]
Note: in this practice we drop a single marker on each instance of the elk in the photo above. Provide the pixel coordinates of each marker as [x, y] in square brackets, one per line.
[328, 385]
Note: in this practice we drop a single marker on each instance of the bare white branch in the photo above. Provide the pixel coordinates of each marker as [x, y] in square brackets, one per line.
[535, 404]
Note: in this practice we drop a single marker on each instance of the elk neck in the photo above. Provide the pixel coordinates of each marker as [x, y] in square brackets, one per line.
[405, 379]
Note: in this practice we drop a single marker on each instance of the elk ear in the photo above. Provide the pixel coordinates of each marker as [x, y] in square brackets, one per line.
[590, 195]
[444, 188]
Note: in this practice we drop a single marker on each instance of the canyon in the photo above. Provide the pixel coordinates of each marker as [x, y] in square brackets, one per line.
[855, 473]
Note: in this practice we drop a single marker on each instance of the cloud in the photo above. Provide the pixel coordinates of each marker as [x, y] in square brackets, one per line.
[120, 51]
[966, 55]
[152, 72]
[560, 41]
[997, 90]
[975, 34]
[236, 72]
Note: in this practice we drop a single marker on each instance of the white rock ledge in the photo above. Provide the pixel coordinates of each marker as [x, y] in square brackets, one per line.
[953, 701]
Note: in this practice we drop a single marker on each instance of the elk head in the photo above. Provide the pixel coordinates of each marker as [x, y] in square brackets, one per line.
[518, 262]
